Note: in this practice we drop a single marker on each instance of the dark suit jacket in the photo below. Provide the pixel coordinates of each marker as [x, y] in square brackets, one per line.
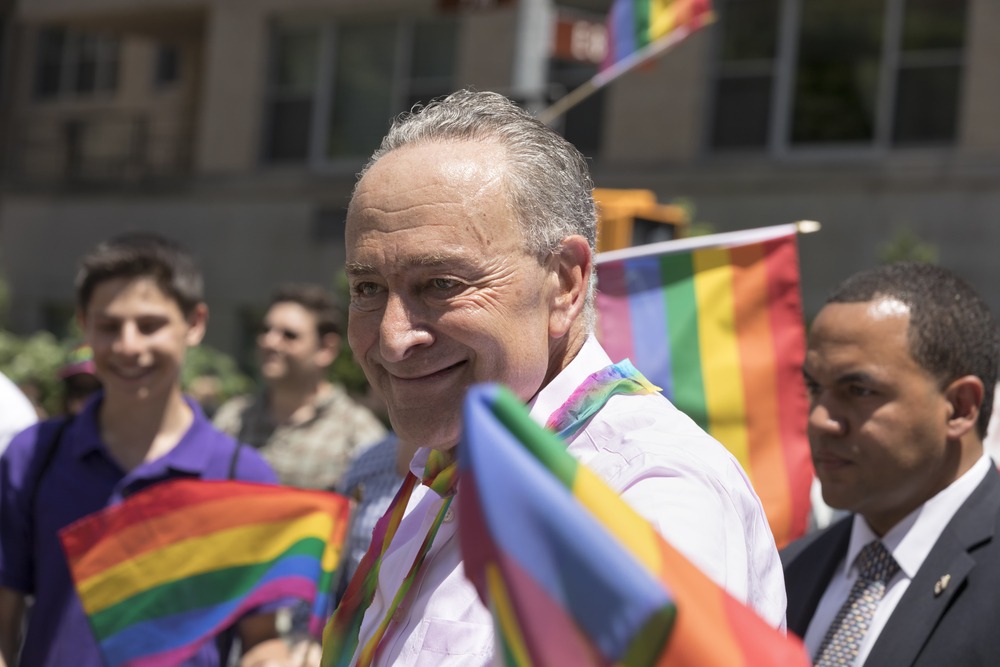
[957, 627]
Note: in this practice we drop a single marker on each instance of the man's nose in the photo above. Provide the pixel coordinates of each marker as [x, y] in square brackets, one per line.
[401, 330]
[129, 340]
[823, 419]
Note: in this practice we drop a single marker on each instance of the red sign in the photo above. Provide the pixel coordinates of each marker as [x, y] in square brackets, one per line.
[579, 40]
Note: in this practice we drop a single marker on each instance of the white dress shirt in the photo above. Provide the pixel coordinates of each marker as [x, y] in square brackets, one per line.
[16, 411]
[909, 542]
[670, 471]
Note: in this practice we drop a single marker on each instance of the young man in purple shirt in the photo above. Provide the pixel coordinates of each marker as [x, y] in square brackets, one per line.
[139, 300]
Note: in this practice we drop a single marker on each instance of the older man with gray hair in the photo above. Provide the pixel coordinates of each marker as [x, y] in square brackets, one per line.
[470, 243]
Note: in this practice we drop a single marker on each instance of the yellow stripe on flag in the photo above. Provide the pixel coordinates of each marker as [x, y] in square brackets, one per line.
[506, 617]
[662, 18]
[244, 545]
[724, 390]
[630, 529]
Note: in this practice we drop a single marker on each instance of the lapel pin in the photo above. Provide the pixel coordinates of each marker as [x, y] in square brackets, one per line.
[941, 584]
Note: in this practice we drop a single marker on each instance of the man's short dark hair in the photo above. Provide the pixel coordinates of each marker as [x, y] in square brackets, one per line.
[952, 332]
[142, 255]
[313, 298]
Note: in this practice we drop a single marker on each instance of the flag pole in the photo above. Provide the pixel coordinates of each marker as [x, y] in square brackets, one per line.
[628, 63]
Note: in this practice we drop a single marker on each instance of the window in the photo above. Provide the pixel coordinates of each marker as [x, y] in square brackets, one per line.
[335, 87]
[807, 74]
[71, 64]
[167, 65]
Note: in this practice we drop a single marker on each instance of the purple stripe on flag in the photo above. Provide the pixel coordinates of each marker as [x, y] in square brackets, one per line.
[622, 38]
[133, 647]
[650, 334]
[615, 317]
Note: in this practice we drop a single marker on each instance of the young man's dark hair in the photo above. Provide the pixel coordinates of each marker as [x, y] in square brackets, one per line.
[313, 298]
[952, 331]
[141, 254]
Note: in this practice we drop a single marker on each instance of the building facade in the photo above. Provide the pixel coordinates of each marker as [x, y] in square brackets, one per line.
[237, 127]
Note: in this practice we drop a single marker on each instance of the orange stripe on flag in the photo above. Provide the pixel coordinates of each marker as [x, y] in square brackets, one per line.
[759, 367]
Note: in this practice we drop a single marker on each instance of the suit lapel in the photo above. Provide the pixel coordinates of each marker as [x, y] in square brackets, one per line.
[808, 577]
[920, 609]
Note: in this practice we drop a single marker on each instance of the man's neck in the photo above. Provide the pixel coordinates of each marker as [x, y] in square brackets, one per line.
[139, 431]
[289, 403]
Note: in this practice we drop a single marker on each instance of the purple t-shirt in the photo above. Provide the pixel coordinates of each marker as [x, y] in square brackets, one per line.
[82, 478]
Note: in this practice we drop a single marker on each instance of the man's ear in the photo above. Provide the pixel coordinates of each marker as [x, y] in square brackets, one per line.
[574, 264]
[966, 398]
[197, 323]
[329, 348]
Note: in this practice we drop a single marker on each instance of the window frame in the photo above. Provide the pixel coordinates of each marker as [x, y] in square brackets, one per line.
[324, 86]
[778, 141]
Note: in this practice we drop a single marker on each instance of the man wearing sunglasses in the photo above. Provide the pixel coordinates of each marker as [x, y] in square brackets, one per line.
[307, 428]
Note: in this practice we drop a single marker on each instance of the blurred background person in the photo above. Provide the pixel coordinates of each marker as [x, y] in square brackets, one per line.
[79, 382]
[307, 428]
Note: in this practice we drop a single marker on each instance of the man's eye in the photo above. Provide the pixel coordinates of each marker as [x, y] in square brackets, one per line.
[443, 283]
[366, 289]
[859, 391]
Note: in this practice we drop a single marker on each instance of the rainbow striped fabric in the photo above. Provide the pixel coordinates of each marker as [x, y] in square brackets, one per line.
[633, 25]
[716, 321]
[572, 575]
[175, 564]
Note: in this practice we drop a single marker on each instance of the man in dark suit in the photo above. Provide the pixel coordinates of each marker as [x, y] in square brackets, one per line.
[901, 365]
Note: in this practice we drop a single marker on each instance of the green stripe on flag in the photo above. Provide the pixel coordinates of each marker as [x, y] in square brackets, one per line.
[685, 349]
[197, 592]
[544, 445]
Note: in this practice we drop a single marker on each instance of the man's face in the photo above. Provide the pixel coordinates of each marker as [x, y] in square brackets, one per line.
[288, 345]
[877, 420]
[139, 337]
[443, 292]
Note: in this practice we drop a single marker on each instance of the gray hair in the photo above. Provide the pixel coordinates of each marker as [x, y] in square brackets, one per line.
[548, 183]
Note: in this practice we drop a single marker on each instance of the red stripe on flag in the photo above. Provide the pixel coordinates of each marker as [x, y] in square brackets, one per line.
[789, 346]
[615, 319]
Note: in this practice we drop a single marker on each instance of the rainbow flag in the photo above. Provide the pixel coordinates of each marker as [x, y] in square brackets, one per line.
[635, 25]
[176, 564]
[716, 321]
[572, 575]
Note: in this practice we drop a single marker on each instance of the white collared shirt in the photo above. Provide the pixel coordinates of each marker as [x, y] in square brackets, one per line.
[670, 471]
[909, 541]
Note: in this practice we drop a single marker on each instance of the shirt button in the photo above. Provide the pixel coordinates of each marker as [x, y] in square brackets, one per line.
[449, 515]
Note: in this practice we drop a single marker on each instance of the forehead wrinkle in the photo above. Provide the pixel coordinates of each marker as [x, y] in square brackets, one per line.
[424, 260]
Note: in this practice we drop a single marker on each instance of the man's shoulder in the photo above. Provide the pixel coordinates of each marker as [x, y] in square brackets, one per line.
[233, 409]
[230, 459]
[822, 541]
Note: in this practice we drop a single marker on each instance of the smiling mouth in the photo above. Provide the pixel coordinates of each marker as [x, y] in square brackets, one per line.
[430, 376]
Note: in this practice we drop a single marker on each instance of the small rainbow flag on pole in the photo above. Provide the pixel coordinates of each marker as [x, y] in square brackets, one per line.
[637, 31]
[176, 564]
[716, 321]
[572, 574]
[635, 27]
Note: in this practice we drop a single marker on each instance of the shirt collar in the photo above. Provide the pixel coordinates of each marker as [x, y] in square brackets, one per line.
[590, 359]
[189, 454]
[912, 539]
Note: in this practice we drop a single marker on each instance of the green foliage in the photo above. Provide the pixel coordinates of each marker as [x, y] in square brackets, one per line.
[225, 379]
[693, 228]
[33, 363]
[906, 246]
